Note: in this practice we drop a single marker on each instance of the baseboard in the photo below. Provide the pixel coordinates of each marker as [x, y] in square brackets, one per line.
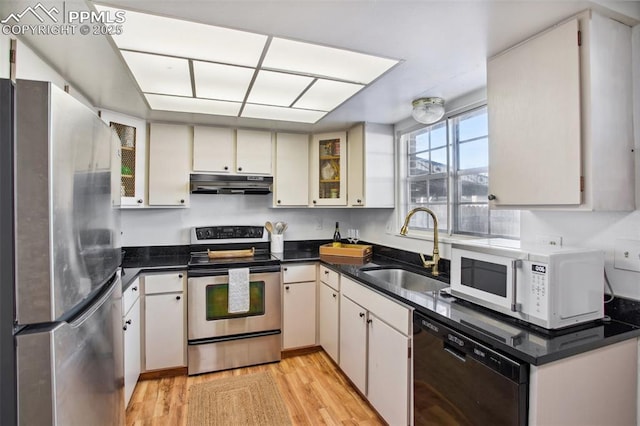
[300, 351]
[160, 374]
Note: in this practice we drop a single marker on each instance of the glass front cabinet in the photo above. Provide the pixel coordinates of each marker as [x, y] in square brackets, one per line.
[328, 169]
[132, 133]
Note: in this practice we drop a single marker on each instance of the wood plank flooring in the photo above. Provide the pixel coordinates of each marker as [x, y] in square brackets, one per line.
[314, 390]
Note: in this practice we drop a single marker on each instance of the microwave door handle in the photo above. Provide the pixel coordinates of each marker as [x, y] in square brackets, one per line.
[515, 264]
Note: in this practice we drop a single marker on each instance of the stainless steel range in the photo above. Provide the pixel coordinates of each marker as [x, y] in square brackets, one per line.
[219, 335]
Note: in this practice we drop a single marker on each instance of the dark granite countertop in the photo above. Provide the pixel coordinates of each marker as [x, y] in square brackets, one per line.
[152, 259]
[508, 335]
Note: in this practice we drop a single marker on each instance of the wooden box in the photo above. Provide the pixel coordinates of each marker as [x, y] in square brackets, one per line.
[348, 250]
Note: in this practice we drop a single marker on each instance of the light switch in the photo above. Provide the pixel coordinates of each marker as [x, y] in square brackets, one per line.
[627, 255]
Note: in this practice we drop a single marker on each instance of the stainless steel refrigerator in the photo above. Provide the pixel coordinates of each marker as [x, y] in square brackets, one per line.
[61, 360]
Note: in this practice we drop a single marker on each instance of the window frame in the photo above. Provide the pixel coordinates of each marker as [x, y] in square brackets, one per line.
[452, 177]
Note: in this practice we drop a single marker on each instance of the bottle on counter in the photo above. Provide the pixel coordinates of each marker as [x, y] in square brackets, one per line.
[336, 237]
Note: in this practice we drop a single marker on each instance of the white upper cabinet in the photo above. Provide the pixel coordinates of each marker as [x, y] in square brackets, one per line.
[169, 164]
[328, 169]
[223, 150]
[253, 152]
[559, 122]
[132, 132]
[291, 170]
[213, 149]
[371, 166]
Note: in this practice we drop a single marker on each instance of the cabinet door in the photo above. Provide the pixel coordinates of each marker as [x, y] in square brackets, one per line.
[329, 311]
[213, 149]
[353, 342]
[388, 372]
[533, 98]
[132, 133]
[299, 310]
[253, 152]
[132, 359]
[169, 164]
[164, 331]
[328, 169]
[291, 170]
[355, 187]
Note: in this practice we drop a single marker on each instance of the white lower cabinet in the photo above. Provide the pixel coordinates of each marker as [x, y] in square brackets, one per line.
[299, 306]
[388, 368]
[353, 342]
[329, 315]
[164, 332]
[375, 349]
[131, 326]
[329, 305]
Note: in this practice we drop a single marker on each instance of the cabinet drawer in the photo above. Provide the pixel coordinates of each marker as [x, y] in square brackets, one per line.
[393, 313]
[164, 283]
[130, 296]
[298, 273]
[330, 277]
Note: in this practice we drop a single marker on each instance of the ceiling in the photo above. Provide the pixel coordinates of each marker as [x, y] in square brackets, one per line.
[443, 46]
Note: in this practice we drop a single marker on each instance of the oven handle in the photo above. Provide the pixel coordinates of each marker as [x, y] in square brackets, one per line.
[225, 271]
[234, 337]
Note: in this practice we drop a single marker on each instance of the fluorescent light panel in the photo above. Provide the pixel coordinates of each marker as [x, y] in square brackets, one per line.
[276, 88]
[176, 37]
[194, 105]
[281, 113]
[224, 82]
[325, 95]
[225, 62]
[160, 74]
[324, 61]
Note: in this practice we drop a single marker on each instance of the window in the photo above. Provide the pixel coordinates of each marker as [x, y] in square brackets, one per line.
[447, 170]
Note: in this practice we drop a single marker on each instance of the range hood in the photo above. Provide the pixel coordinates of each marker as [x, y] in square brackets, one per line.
[230, 184]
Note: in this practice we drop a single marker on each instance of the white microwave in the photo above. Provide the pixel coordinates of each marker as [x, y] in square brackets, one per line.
[552, 287]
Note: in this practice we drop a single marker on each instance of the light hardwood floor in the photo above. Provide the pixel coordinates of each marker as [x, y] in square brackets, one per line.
[311, 385]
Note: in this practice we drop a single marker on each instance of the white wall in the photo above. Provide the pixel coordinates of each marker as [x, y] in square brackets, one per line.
[142, 227]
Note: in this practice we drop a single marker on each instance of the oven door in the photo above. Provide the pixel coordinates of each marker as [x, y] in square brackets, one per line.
[208, 314]
[486, 279]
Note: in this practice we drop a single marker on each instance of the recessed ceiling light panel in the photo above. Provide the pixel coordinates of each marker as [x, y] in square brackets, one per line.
[276, 88]
[200, 106]
[160, 74]
[224, 82]
[307, 58]
[175, 37]
[281, 113]
[326, 95]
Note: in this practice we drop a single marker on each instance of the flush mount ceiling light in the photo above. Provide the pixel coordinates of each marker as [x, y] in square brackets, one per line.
[208, 68]
[428, 110]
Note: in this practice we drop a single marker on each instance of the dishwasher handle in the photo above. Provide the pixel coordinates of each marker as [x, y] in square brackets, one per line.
[460, 356]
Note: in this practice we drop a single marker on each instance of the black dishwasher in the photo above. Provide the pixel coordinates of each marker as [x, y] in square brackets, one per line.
[459, 381]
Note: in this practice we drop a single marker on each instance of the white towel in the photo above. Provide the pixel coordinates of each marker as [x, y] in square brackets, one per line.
[238, 301]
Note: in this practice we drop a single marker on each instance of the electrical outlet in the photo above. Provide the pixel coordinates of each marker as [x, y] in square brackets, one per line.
[627, 255]
[318, 221]
[550, 240]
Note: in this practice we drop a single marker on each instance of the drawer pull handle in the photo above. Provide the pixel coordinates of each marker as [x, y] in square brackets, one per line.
[286, 287]
[361, 314]
[326, 272]
[128, 322]
[334, 295]
[369, 321]
[134, 288]
[124, 328]
[179, 275]
[177, 297]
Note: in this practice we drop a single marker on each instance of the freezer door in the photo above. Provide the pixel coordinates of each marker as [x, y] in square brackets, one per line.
[67, 229]
[72, 373]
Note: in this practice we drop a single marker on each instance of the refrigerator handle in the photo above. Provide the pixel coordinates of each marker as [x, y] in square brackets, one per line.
[80, 319]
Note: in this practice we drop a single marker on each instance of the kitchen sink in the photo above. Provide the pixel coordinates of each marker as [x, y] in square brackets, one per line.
[405, 279]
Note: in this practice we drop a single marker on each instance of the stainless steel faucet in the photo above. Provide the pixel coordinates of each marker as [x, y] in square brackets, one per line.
[436, 252]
